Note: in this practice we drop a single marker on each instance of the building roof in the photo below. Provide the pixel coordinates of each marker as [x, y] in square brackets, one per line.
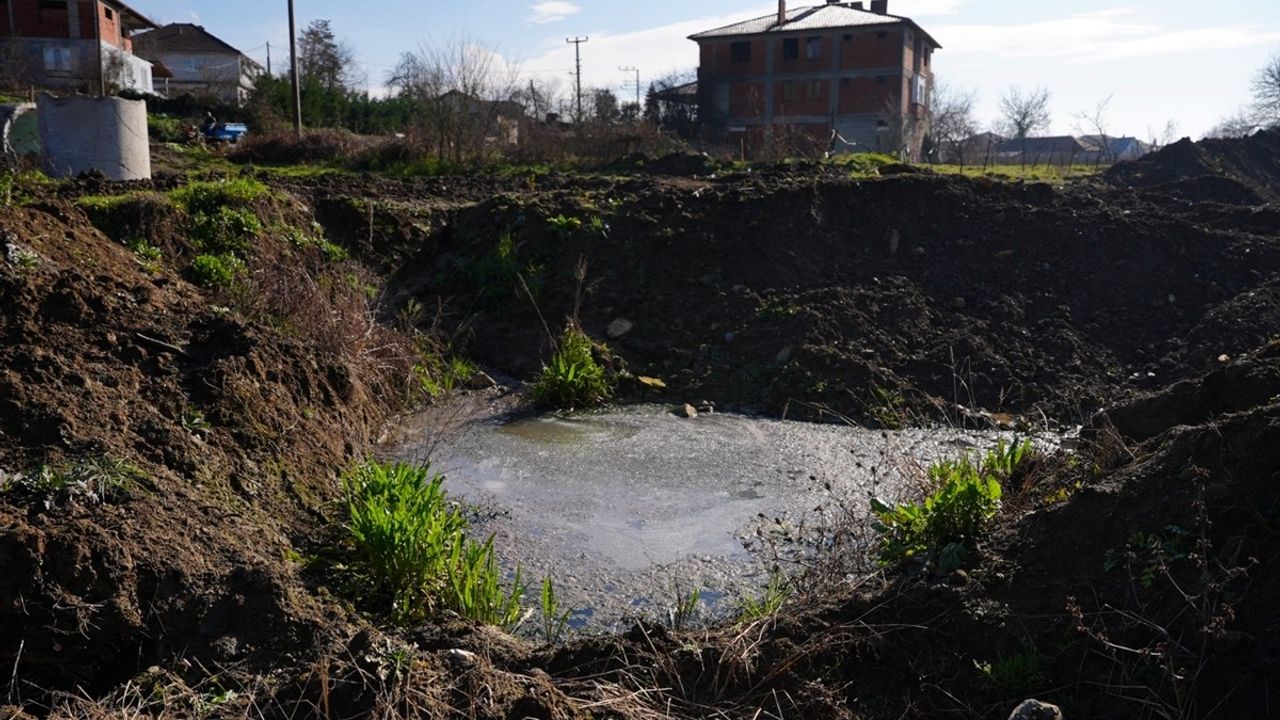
[829, 16]
[182, 38]
[1053, 145]
[139, 20]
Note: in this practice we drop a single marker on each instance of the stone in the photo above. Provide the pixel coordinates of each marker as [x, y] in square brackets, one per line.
[1036, 710]
[618, 328]
[687, 411]
[958, 303]
[481, 380]
[783, 355]
[1224, 358]
[651, 383]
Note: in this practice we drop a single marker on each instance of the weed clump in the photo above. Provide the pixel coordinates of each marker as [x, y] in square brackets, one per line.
[946, 524]
[413, 546]
[216, 272]
[573, 378]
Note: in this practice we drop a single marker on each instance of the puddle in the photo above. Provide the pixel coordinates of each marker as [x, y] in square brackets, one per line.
[630, 508]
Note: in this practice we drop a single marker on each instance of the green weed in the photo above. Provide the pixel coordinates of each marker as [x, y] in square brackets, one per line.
[888, 407]
[206, 197]
[225, 230]
[947, 523]
[553, 620]
[303, 241]
[7, 182]
[770, 601]
[91, 481]
[166, 128]
[413, 547]
[573, 378]
[437, 376]
[216, 272]
[1016, 674]
[685, 608]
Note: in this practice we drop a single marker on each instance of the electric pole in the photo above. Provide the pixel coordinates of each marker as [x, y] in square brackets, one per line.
[268, 58]
[577, 73]
[297, 82]
[637, 72]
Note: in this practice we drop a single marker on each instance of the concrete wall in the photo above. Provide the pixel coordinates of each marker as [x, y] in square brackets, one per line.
[224, 75]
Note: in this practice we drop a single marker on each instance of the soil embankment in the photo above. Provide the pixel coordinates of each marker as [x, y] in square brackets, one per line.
[170, 557]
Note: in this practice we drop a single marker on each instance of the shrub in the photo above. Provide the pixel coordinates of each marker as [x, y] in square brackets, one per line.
[216, 271]
[573, 378]
[225, 230]
[413, 547]
[208, 196]
[947, 523]
[166, 128]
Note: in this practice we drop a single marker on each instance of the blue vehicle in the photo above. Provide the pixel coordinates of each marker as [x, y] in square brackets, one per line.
[225, 132]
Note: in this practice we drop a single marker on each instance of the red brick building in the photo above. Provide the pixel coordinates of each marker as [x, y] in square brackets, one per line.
[72, 44]
[787, 81]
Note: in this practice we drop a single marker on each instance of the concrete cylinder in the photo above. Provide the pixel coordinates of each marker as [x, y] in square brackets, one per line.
[79, 134]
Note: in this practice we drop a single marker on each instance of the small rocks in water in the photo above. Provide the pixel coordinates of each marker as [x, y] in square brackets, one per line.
[706, 406]
[481, 381]
[619, 327]
[1224, 358]
[687, 411]
[1036, 710]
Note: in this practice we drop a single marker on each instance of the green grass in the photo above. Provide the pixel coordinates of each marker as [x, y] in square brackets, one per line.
[553, 619]
[225, 230]
[412, 546]
[769, 602]
[208, 196]
[946, 524]
[166, 128]
[1014, 675]
[572, 378]
[865, 164]
[438, 376]
[216, 271]
[1043, 173]
[90, 480]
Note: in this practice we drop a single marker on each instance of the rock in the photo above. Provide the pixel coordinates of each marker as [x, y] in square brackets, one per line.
[958, 578]
[1224, 358]
[1036, 710]
[651, 383]
[894, 240]
[919, 251]
[783, 355]
[706, 406]
[481, 381]
[958, 303]
[619, 327]
[687, 411]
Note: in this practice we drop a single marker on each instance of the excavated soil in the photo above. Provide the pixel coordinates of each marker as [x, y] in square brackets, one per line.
[1136, 577]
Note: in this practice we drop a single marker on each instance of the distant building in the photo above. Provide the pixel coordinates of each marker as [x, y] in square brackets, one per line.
[810, 74]
[199, 63]
[77, 45]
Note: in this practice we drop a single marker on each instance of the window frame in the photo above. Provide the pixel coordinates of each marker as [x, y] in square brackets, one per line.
[740, 52]
[813, 47]
[790, 48]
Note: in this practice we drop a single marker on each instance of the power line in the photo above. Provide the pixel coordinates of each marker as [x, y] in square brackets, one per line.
[577, 56]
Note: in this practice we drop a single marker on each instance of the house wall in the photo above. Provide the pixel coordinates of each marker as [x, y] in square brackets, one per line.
[857, 78]
[224, 75]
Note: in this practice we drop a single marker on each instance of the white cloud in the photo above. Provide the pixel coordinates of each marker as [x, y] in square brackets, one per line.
[549, 12]
[1093, 37]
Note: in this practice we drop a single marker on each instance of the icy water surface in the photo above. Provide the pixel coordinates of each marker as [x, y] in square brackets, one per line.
[628, 508]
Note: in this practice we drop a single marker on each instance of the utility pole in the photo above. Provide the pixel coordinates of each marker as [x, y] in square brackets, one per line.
[637, 72]
[268, 58]
[577, 73]
[97, 32]
[297, 82]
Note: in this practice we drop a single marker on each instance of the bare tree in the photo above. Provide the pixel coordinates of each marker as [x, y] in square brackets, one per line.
[1238, 124]
[953, 121]
[1266, 92]
[1094, 123]
[465, 93]
[1024, 113]
[1166, 136]
[540, 97]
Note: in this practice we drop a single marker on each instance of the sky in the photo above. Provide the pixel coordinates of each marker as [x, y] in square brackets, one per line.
[1189, 62]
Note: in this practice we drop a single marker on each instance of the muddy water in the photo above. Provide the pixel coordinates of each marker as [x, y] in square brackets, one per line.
[629, 508]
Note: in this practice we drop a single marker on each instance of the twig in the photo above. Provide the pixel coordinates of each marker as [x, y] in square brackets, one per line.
[161, 344]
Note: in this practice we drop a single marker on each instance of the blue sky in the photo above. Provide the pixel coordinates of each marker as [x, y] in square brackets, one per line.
[1162, 60]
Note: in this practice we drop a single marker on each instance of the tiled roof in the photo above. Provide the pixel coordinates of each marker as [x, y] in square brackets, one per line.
[180, 38]
[816, 17]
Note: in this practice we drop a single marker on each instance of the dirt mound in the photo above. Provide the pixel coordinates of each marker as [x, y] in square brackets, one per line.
[886, 299]
[1254, 162]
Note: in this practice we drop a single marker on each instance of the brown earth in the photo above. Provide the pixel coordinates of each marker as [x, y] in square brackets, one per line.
[1138, 576]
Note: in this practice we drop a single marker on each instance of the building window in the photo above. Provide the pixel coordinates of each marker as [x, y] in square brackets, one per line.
[790, 90]
[110, 13]
[791, 49]
[52, 6]
[740, 52]
[848, 37]
[57, 59]
[881, 35]
[813, 48]
[815, 89]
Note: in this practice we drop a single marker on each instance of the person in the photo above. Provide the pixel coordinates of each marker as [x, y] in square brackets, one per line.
[210, 123]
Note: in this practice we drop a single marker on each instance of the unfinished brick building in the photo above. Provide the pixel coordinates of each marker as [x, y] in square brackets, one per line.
[72, 45]
[783, 83]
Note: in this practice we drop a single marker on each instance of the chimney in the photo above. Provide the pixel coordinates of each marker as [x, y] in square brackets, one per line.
[782, 12]
[880, 7]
